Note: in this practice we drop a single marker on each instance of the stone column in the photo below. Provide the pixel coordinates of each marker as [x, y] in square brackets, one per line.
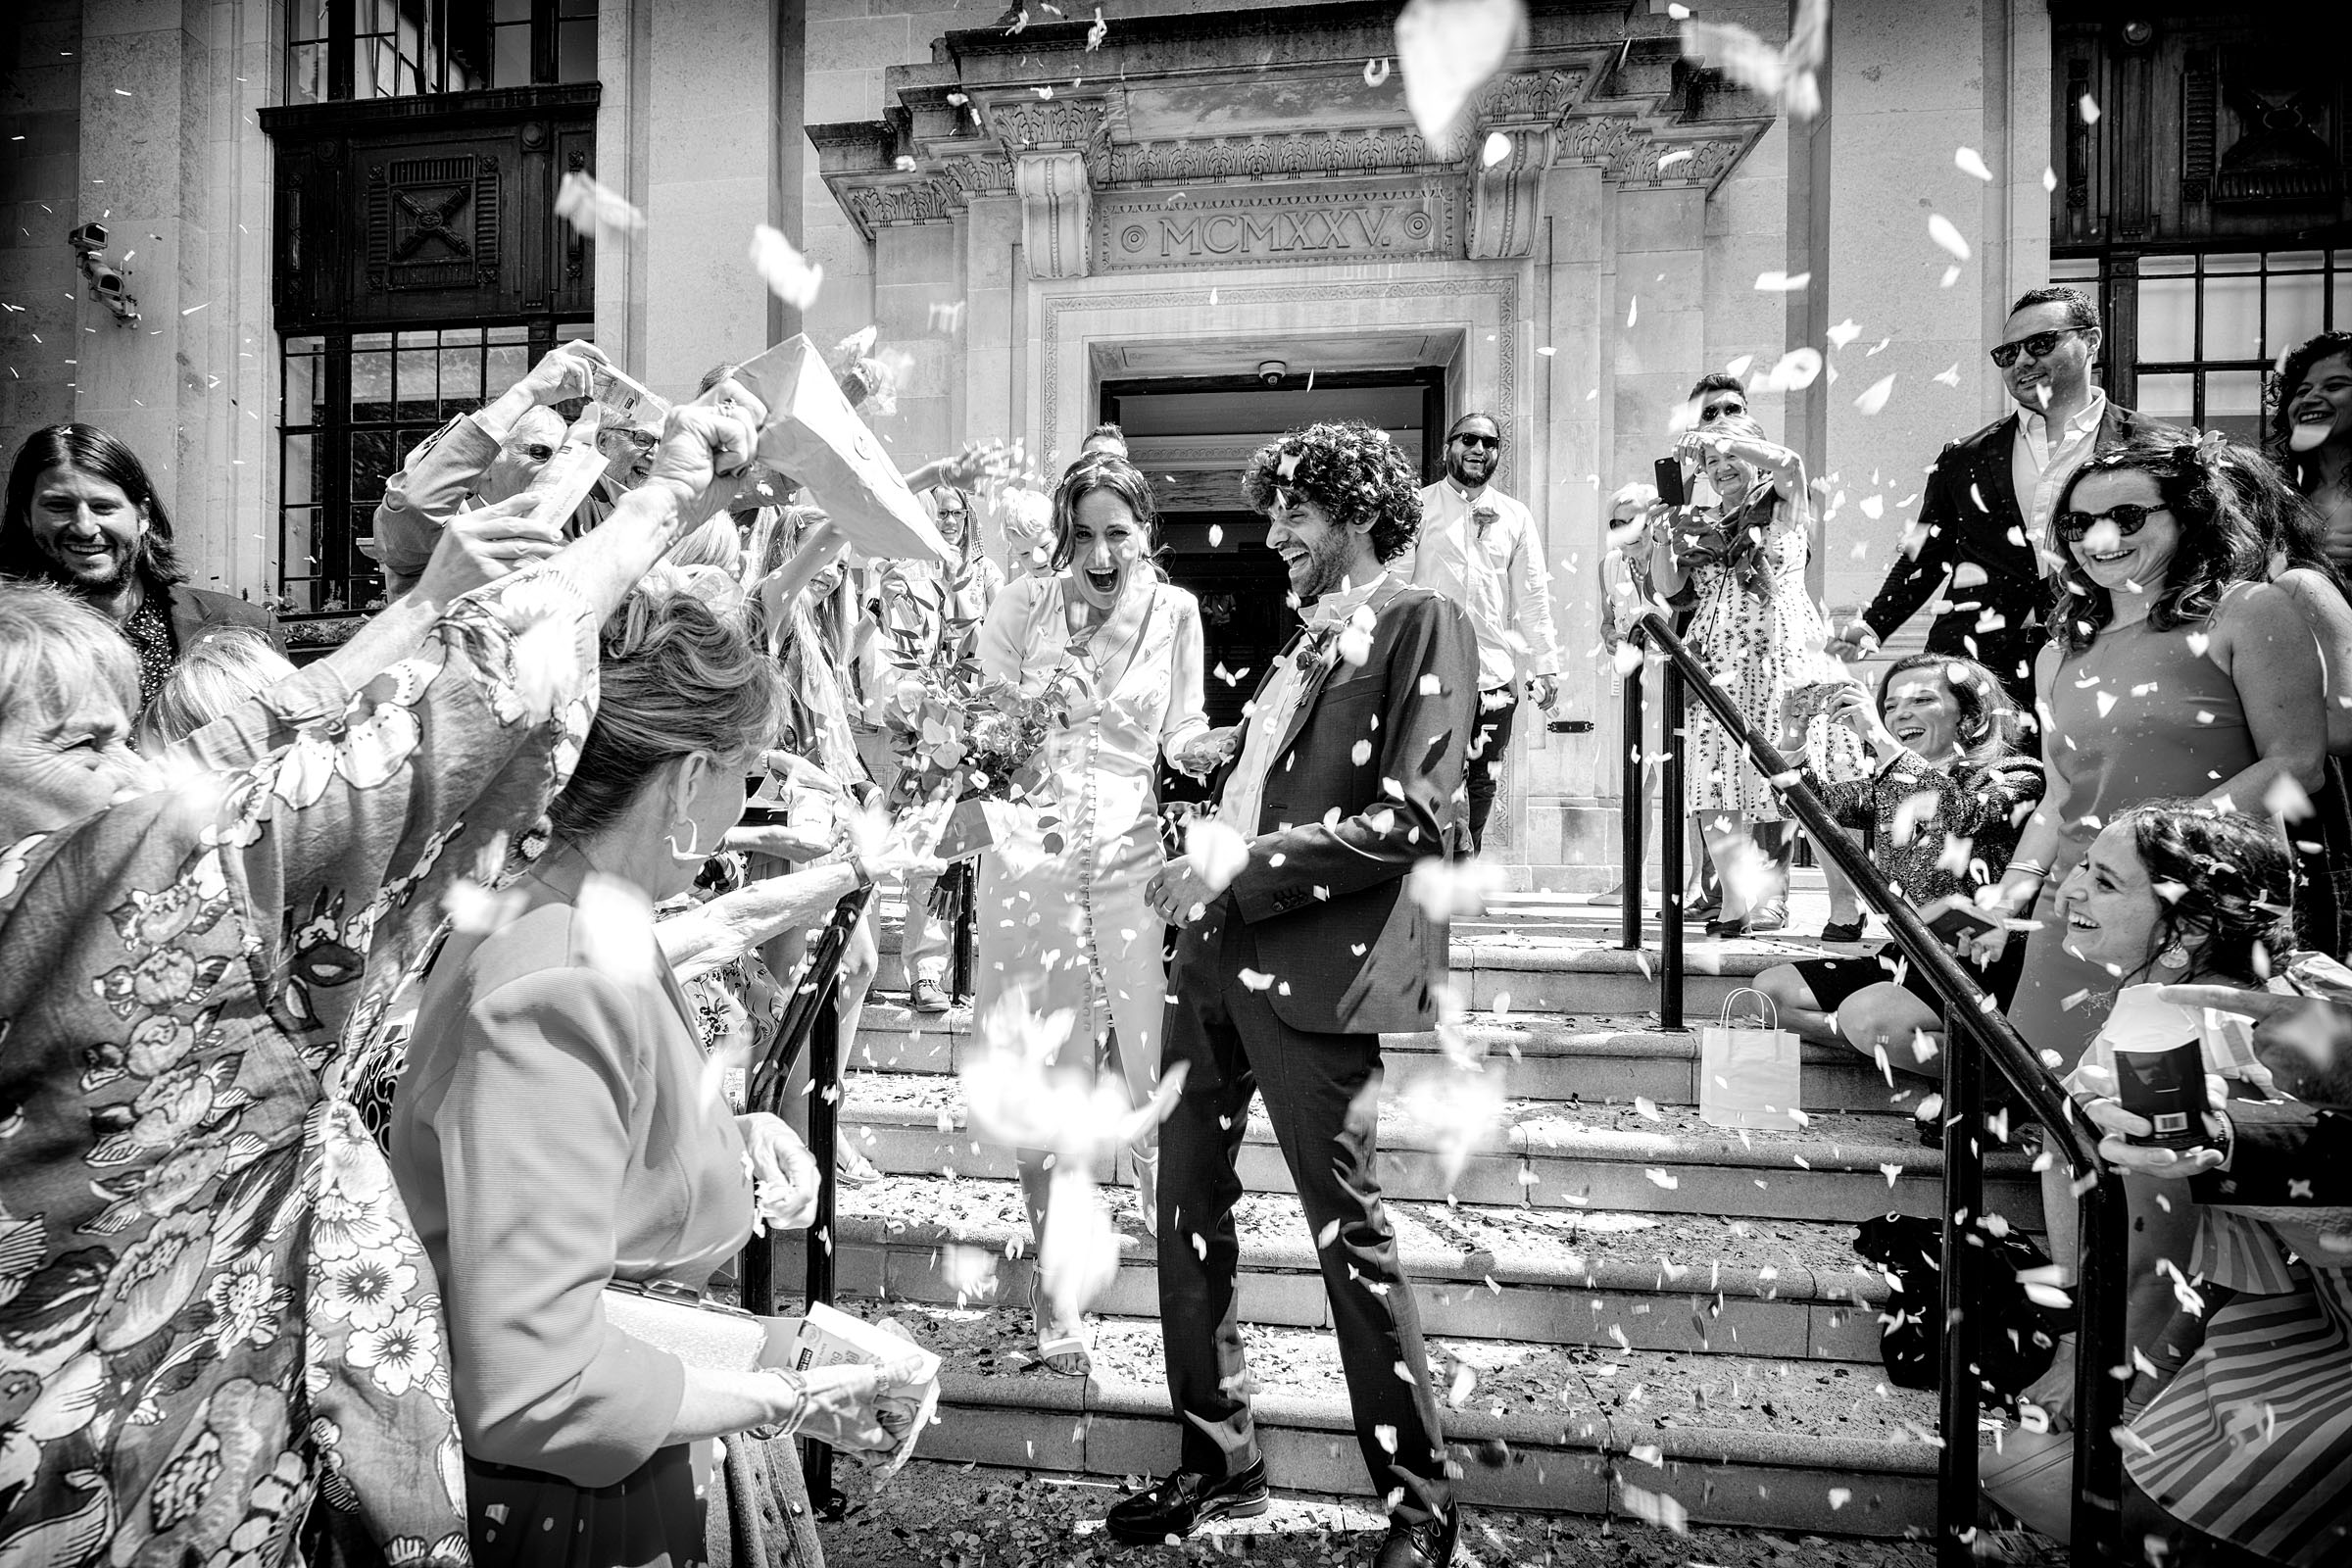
[175, 165]
[710, 169]
[992, 234]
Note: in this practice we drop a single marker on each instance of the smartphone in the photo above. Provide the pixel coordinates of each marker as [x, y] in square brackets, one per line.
[1808, 701]
[1957, 915]
[1669, 477]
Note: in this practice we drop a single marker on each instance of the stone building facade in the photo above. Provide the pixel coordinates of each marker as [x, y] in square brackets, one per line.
[1209, 222]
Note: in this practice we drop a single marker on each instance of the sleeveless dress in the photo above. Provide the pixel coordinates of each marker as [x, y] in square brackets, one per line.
[1760, 644]
[2138, 715]
[1063, 914]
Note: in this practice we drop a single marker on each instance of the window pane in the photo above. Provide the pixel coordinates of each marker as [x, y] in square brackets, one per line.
[509, 334]
[460, 379]
[298, 479]
[371, 387]
[418, 397]
[510, 62]
[2233, 316]
[511, 9]
[305, 73]
[302, 390]
[2167, 266]
[576, 51]
[2232, 262]
[2168, 397]
[2168, 321]
[371, 462]
[2341, 318]
[2294, 312]
[568, 331]
[2075, 269]
[506, 366]
[2296, 261]
[2234, 404]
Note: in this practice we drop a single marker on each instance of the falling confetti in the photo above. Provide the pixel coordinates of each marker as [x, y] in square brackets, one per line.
[594, 208]
[1780, 284]
[789, 275]
[1873, 397]
[1376, 72]
[1098, 31]
[1446, 50]
[2090, 108]
[1787, 74]
[1942, 231]
[1970, 161]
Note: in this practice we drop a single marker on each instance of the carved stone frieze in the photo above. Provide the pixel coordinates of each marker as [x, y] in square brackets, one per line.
[1507, 196]
[901, 199]
[1527, 97]
[1629, 153]
[1308, 154]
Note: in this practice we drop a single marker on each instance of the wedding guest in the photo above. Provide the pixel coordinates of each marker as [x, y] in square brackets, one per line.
[2311, 434]
[1289, 971]
[2273, 1288]
[190, 974]
[1105, 438]
[227, 667]
[1983, 543]
[83, 515]
[1064, 923]
[2175, 668]
[931, 619]
[557, 1131]
[1757, 630]
[1482, 549]
[1943, 802]
[477, 458]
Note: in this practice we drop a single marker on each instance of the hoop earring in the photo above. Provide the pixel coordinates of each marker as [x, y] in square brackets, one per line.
[692, 856]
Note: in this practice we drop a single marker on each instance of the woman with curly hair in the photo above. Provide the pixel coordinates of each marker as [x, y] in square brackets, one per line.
[2311, 433]
[2240, 1416]
[1760, 635]
[1068, 930]
[2174, 668]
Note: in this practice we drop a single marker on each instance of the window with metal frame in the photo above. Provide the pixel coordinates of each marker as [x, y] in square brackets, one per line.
[345, 49]
[2207, 328]
[355, 403]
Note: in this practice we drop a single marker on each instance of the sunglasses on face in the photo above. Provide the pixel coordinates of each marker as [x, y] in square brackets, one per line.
[1720, 411]
[535, 451]
[2128, 518]
[1471, 438]
[2041, 345]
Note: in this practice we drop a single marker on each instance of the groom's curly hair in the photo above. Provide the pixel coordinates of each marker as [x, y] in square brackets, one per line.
[1352, 470]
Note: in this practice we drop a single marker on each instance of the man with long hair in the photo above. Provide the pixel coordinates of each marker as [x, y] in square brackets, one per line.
[84, 514]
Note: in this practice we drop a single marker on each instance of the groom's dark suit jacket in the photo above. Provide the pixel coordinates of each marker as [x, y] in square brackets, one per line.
[1362, 786]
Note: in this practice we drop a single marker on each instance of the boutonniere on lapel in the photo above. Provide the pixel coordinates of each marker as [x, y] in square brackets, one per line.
[1339, 642]
[1481, 518]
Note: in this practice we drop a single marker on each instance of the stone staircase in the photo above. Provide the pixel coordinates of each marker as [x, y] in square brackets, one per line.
[1629, 1311]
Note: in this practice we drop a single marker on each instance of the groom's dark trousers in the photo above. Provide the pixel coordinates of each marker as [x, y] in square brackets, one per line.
[1282, 989]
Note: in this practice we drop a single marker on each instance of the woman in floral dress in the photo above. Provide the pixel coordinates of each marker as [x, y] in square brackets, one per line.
[213, 1307]
[1759, 634]
[1065, 924]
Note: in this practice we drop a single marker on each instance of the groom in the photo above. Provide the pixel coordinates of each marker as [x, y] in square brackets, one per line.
[1349, 775]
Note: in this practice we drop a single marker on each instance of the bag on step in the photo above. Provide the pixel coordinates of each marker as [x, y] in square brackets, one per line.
[1747, 1074]
[2016, 1339]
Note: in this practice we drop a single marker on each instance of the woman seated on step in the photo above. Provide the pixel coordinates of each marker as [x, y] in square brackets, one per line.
[1944, 803]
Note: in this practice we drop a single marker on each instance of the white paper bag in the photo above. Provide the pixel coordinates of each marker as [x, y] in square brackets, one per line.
[813, 436]
[1747, 1073]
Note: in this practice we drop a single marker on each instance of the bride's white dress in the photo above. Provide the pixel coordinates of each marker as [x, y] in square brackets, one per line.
[1061, 907]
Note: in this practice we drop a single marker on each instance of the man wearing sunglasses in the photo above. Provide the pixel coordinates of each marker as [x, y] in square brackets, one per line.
[1480, 549]
[1983, 542]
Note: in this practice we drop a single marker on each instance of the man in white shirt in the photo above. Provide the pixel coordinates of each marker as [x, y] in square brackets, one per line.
[1480, 549]
[1983, 542]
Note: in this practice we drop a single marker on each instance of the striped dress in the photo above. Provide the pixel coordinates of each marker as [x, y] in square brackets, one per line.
[2252, 1443]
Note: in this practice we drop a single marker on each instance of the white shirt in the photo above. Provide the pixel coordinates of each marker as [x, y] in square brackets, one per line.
[1277, 705]
[2038, 473]
[1495, 572]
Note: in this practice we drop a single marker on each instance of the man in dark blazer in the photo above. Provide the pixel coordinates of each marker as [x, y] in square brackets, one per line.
[1289, 970]
[1978, 555]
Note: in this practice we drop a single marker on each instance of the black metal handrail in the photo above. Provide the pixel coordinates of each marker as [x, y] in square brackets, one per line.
[812, 1020]
[1968, 1012]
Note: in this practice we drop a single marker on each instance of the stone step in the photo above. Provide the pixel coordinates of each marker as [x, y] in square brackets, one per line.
[1829, 1447]
[1580, 1056]
[1651, 1158]
[1626, 1281]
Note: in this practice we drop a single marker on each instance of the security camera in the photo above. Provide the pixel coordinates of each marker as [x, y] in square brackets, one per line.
[1271, 372]
[106, 283]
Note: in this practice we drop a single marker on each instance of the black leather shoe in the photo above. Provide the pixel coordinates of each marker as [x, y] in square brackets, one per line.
[1426, 1544]
[1188, 1499]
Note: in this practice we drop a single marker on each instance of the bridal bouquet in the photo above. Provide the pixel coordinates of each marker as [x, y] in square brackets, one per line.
[959, 734]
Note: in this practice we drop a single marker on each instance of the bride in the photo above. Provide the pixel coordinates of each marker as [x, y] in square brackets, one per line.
[1063, 923]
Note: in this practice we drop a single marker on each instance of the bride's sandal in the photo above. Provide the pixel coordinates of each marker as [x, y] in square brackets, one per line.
[1146, 1190]
[1064, 1350]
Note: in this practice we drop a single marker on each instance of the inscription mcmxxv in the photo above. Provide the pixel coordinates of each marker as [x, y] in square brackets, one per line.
[1284, 226]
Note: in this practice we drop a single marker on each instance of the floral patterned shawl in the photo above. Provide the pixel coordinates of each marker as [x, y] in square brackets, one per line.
[213, 1306]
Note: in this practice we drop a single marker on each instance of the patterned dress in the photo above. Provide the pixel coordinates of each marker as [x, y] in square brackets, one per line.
[1759, 634]
[213, 1306]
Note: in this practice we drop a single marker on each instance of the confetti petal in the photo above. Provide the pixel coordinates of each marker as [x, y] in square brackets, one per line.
[1873, 397]
[1446, 50]
[1970, 161]
[789, 275]
[1942, 231]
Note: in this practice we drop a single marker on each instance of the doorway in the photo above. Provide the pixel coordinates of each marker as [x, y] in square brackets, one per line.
[1194, 437]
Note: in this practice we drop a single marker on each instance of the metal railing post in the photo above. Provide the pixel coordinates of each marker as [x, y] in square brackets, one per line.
[1956, 1484]
[1629, 863]
[824, 1123]
[1673, 814]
